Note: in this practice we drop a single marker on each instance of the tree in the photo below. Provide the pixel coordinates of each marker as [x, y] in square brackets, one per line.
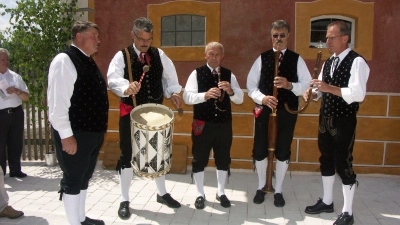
[39, 30]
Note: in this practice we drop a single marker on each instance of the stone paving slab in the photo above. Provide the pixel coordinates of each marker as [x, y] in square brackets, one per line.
[377, 199]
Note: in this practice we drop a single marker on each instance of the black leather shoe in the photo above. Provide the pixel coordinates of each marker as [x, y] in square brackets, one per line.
[278, 200]
[319, 208]
[259, 198]
[199, 203]
[18, 174]
[224, 201]
[123, 211]
[89, 221]
[168, 201]
[344, 219]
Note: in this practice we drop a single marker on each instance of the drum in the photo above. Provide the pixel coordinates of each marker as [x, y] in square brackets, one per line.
[151, 130]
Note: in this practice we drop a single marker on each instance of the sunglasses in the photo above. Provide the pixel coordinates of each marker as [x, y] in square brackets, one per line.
[280, 35]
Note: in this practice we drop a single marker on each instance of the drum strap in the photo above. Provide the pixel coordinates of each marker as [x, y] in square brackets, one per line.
[128, 61]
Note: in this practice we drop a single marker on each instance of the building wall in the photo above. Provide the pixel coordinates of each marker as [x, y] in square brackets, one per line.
[376, 149]
[245, 34]
[244, 31]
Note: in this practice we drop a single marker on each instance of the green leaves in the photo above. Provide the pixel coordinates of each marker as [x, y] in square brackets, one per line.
[39, 30]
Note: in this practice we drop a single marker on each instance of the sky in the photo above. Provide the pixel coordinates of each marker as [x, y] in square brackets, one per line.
[4, 19]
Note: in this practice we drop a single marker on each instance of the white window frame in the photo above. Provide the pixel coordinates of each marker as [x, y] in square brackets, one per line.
[333, 17]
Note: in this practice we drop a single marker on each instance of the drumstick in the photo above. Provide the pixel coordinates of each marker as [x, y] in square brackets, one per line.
[146, 68]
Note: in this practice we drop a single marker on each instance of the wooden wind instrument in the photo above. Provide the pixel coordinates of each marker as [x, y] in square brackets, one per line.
[272, 134]
[219, 80]
[314, 76]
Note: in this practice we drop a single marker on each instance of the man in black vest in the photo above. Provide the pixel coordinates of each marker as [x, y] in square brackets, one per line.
[342, 85]
[292, 80]
[78, 112]
[161, 80]
[210, 89]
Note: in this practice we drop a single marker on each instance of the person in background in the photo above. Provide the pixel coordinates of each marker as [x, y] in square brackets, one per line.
[342, 85]
[78, 112]
[161, 80]
[210, 89]
[292, 80]
[5, 209]
[13, 91]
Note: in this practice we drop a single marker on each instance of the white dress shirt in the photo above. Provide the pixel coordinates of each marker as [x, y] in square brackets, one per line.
[191, 95]
[118, 84]
[253, 79]
[61, 80]
[13, 79]
[359, 73]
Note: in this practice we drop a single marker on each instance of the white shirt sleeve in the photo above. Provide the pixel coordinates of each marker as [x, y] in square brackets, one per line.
[169, 77]
[61, 80]
[191, 95]
[115, 75]
[237, 98]
[253, 79]
[304, 78]
[357, 88]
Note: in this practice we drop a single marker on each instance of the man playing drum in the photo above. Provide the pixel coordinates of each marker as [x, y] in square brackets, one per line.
[160, 80]
[210, 89]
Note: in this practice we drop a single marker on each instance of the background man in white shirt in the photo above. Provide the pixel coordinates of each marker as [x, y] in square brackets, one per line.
[13, 91]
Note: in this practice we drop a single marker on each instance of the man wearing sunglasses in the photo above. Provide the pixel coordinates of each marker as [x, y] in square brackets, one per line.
[292, 80]
[342, 81]
[160, 80]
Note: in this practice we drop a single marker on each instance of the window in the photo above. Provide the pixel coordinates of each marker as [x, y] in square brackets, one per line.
[318, 29]
[183, 30]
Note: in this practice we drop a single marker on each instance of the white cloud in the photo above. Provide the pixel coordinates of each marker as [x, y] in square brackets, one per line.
[4, 19]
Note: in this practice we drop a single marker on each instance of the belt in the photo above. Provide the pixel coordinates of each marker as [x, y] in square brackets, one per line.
[9, 110]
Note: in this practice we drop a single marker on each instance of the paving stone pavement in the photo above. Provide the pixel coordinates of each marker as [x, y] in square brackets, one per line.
[376, 201]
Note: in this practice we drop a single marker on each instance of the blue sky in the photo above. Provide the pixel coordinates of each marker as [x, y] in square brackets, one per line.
[4, 19]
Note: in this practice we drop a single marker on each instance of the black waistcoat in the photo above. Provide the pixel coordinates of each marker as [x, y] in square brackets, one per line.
[151, 90]
[287, 68]
[212, 110]
[89, 101]
[332, 105]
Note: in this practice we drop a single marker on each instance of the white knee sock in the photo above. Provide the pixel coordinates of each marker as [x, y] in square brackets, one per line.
[199, 180]
[221, 178]
[71, 206]
[327, 183]
[281, 168]
[160, 183]
[125, 179]
[261, 167]
[82, 202]
[348, 195]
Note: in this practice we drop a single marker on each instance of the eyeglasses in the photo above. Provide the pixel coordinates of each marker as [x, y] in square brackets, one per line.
[332, 38]
[143, 40]
[280, 35]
